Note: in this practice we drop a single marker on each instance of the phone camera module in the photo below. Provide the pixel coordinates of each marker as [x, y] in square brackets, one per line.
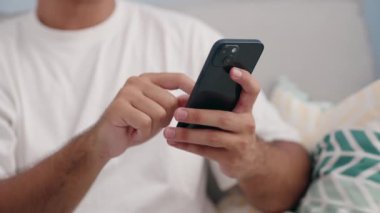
[227, 61]
[226, 55]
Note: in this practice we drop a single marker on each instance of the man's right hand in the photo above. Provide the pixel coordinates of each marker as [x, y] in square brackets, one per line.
[140, 110]
[57, 184]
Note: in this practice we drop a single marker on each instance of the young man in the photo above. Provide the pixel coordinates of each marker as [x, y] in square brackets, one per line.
[75, 136]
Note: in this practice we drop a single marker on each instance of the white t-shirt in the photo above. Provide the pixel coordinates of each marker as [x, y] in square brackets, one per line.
[55, 84]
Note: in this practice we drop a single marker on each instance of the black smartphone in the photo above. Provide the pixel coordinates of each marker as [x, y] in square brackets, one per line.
[214, 88]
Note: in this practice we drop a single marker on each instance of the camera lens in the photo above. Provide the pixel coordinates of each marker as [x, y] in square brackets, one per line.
[234, 50]
[227, 60]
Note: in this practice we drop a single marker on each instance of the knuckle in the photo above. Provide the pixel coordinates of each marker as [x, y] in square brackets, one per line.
[147, 77]
[144, 75]
[128, 94]
[172, 101]
[161, 114]
[249, 125]
[132, 80]
[119, 104]
[225, 120]
[146, 122]
[214, 137]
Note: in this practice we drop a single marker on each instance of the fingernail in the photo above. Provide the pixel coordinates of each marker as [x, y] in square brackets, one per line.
[236, 72]
[169, 132]
[180, 114]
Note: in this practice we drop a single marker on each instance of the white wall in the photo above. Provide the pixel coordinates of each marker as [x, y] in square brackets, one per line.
[371, 11]
[322, 45]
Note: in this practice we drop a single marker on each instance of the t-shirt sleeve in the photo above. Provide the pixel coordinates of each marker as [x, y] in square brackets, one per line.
[269, 125]
[7, 132]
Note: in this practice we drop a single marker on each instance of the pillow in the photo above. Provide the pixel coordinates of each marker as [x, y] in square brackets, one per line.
[297, 109]
[346, 175]
[361, 110]
[315, 119]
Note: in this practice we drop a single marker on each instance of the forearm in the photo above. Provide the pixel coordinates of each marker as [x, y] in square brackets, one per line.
[58, 183]
[283, 177]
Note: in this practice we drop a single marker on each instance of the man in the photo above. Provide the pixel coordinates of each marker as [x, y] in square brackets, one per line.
[81, 125]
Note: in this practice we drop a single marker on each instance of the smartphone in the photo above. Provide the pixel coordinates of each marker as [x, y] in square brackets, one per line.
[214, 88]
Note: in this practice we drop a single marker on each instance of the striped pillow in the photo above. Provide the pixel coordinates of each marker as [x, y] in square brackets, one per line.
[315, 119]
[346, 176]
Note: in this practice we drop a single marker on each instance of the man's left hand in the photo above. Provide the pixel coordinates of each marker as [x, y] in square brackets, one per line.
[234, 144]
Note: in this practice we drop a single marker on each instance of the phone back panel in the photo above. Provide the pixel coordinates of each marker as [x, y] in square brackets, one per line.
[214, 88]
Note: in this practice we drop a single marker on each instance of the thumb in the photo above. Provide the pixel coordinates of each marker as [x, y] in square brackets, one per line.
[250, 89]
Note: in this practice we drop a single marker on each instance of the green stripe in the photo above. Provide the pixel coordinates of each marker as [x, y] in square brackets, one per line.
[375, 177]
[339, 163]
[364, 142]
[318, 150]
[377, 135]
[360, 167]
[343, 143]
[327, 140]
[321, 165]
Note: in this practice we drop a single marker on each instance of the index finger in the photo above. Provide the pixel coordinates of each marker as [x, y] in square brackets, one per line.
[171, 81]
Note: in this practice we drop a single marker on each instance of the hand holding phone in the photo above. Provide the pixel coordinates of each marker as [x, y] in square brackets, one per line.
[214, 88]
